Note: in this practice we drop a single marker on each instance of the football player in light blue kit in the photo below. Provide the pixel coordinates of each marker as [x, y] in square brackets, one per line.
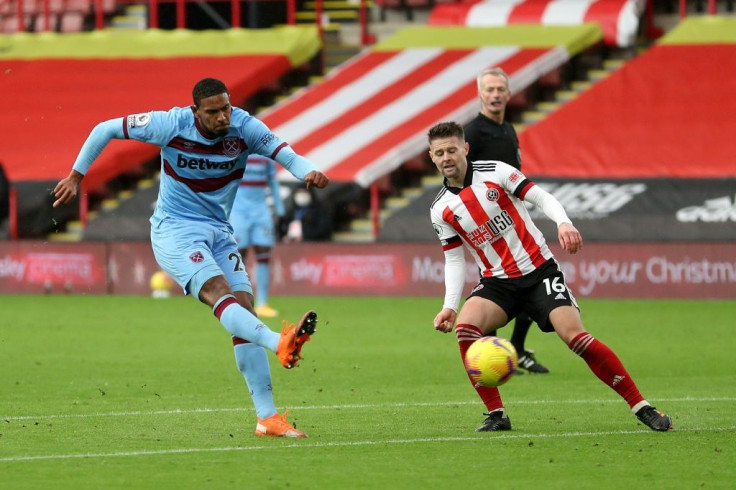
[253, 223]
[204, 149]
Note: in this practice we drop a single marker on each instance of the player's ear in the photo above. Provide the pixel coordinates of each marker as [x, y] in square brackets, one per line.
[467, 147]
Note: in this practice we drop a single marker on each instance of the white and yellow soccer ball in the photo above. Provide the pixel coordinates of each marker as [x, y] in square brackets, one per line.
[161, 285]
[491, 361]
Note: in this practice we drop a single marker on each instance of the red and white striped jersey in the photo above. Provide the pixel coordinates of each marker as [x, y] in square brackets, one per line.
[489, 217]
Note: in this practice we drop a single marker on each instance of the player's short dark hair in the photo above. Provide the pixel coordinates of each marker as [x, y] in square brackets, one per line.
[446, 130]
[207, 87]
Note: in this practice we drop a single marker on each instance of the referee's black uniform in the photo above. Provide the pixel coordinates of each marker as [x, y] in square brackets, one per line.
[492, 141]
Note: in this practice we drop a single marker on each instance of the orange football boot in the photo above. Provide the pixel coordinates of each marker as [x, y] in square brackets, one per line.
[277, 426]
[293, 338]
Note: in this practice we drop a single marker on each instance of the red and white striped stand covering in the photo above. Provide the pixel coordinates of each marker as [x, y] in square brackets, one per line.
[619, 19]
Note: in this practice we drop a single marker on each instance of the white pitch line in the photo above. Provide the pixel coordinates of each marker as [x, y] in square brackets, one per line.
[137, 413]
[478, 438]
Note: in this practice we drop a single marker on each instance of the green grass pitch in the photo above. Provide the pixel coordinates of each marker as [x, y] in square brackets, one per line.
[111, 392]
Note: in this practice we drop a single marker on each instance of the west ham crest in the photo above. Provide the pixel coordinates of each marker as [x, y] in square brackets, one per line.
[232, 147]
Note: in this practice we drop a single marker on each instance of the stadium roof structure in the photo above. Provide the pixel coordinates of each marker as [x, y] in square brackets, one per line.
[55, 87]
[372, 113]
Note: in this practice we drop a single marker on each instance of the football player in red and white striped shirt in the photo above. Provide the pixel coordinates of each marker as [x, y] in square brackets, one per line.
[480, 209]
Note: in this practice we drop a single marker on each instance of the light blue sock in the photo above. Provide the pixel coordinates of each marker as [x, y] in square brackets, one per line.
[262, 279]
[242, 323]
[252, 361]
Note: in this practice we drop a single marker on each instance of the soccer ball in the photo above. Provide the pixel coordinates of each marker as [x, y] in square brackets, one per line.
[491, 361]
[161, 285]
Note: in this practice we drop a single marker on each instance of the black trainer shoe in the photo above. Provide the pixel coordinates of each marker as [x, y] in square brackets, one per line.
[496, 420]
[528, 362]
[654, 419]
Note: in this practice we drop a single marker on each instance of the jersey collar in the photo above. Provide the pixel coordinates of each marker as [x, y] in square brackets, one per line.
[466, 183]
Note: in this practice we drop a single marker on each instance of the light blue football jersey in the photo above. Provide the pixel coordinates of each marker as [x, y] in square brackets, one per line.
[200, 175]
[259, 177]
[251, 216]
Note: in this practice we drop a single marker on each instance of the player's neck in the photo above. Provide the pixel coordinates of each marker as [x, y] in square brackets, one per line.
[457, 182]
[497, 118]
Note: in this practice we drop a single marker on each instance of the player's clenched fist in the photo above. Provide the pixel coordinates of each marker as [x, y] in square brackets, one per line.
[317, 179]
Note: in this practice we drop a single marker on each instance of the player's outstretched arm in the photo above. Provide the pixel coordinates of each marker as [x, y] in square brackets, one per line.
[67, 188]
[100, 136]
[569, 237]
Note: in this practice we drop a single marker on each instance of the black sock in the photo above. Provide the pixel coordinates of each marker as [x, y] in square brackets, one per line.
[521, 329]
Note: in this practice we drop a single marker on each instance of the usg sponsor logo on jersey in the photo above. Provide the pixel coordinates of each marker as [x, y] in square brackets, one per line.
[138, 120]
[204, 163]
[232, 147]
[718, 210]
[591, 200]
[491, 230]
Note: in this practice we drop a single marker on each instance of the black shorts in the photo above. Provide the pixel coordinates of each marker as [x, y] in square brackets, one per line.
[535, 294]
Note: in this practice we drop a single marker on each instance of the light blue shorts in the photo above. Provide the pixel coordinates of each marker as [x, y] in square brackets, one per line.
[253, 226]
[194, 252]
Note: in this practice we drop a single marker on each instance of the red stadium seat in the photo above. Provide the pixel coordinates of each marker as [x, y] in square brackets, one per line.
[72, 22]
[39, 22]
[9, 23]
[82, 6]
[55, 6]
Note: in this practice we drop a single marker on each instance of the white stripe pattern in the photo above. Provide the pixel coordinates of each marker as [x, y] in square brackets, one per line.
[350, 96]
[582, 343]
[494, 13]
[432, 91]
[419, 97]
[465, 334]
[497, 13]
[565, 12]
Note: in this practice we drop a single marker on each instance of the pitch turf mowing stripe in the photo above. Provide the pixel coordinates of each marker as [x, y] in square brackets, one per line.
[480, 437]
[136, 413]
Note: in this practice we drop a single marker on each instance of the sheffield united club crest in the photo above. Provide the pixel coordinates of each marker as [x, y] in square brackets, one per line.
[492, 195]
